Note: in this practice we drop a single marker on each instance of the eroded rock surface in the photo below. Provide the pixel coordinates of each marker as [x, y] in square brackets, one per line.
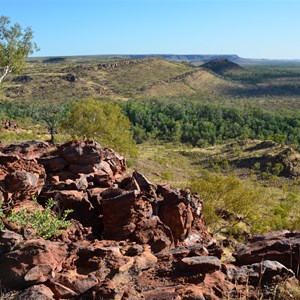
[129, 238]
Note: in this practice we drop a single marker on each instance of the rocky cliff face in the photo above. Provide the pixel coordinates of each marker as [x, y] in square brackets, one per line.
[129, 238]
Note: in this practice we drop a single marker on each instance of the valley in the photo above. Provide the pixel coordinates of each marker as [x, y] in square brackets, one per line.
[212, 164]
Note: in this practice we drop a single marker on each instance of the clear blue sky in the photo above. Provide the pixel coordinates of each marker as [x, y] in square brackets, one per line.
[257, 28]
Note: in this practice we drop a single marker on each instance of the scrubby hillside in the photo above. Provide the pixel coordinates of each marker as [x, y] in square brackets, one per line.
[222, 66]
[68, 80]
[197, 82]
[265, 157]
[117, 79]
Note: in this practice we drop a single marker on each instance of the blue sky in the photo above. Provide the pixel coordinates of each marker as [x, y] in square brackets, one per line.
[254, 28]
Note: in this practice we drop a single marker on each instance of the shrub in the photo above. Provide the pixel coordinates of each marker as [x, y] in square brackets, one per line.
[227, 200]
[103, 121]
[44, 223]
[2, 216]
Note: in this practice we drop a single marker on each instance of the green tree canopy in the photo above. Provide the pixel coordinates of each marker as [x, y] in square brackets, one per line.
[101, 121]
[15, 46]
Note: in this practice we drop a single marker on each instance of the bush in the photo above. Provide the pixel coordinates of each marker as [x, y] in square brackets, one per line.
[2, 216]
[228, 200]
[102, 121]
[44, 223]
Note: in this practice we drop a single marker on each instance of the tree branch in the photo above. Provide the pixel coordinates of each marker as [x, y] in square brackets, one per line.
[5, 73]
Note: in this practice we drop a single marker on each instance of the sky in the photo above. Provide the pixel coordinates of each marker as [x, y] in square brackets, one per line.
[248, 28]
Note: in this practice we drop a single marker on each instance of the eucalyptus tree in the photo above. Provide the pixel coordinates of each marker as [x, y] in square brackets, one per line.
[15, 46]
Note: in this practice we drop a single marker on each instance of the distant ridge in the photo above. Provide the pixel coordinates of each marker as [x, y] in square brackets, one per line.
[222, 66]
[190, 57]
[194, 59]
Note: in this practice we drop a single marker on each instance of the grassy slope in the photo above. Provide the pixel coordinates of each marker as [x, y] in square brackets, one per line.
[178, 165]
[129, 79]
[272, 87]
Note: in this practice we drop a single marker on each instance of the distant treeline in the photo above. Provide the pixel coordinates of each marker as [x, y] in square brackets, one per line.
[183, 121]
[201, 124]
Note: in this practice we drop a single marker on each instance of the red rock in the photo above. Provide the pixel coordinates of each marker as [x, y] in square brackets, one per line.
[75, 282]
[75, 200]
[60, 291]
[21, 178]
[106, 290]
[85, 169]
[266, 272]
[20, 181]
[175, 211]
[199, 264]
[154, 233]
[36, 292]
[34, 253]
[144, 184]
[102, 179]
[85, 153]
[166, 293]
[145, 261]
[116, 221]
[39, 273]
[29, 150]
[52, 163]
[9, 240]
[129, 184]
[191, 292]
[282, 247]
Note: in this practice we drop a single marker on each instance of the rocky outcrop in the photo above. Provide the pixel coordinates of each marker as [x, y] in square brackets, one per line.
[69, 77]
[128, 239]
[21, 176]
[282, 246]
[9, 124]
[122, 63]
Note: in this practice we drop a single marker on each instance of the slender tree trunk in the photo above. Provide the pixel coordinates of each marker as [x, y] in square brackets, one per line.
[5, 73]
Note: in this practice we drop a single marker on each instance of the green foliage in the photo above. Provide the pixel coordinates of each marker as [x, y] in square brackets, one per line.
[44, 222]
[277, 169]
[51, 116]
[2, 216]
[15, 46]
[102, 121]
[201, 124]
[229, 201]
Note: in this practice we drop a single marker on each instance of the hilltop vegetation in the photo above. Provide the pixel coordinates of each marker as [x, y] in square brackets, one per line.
[265, 86]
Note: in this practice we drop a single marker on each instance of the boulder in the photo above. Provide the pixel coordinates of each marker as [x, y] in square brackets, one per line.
[117, 214]
[9, 240]
[277, 246]
[199, 264]
[20, 178]
[28, 150]
[153, 232]
[176, 211]
[35, 261]
[52, 163]
[266, 272]
[35, 292]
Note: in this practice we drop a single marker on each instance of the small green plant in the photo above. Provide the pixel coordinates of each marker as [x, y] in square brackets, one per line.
[256, 166]
[44, 223]
[2, 215]
[277, 169]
